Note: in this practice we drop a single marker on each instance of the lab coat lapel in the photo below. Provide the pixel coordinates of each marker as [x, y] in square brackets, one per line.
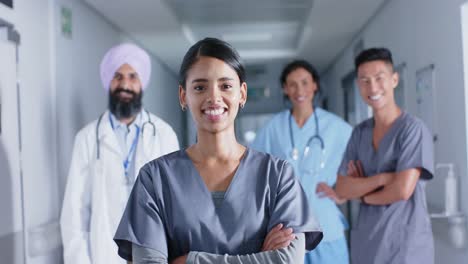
[107, 137]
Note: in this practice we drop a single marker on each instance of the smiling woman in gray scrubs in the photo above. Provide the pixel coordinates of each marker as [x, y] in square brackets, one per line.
[387, 163]
[216, 201]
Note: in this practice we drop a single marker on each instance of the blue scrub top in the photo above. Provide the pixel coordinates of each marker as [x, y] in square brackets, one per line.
[399, 232]
[172, 211]
[275, 139]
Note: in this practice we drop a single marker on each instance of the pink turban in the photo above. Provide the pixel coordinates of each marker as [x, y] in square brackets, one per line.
[125, 53]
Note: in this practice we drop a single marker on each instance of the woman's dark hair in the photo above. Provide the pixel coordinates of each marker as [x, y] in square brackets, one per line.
[297, 64]
[373, 54]
[211, 47]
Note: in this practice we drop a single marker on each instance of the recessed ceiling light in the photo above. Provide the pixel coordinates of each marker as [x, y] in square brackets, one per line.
[267, 54]
[247, 37]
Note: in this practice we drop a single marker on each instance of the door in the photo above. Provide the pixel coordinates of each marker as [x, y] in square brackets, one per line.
[11, 221]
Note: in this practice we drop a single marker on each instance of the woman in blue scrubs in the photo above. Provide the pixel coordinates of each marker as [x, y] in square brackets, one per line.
[216, 201]
[313, 141]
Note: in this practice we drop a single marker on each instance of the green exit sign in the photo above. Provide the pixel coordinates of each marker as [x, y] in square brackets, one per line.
[66, 21]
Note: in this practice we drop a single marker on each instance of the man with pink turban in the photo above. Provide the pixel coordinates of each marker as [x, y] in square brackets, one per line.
[107, 155]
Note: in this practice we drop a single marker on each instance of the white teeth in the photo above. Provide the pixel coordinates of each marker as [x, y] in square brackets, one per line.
[213, 112]
[375, 97]
[300, 98]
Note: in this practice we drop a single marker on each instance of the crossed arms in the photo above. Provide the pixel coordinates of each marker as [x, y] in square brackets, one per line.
[380, 189]
[280, 246]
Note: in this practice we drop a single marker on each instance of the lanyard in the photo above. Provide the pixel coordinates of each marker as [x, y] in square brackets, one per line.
[130, 154]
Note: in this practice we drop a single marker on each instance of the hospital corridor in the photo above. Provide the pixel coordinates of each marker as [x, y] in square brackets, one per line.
[245, 131]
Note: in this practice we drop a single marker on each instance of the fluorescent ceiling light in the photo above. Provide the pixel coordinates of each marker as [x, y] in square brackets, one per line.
[188, 33]
[247, 37]
[267, 54]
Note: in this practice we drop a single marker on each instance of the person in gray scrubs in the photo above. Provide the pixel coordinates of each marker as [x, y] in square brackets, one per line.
[216, 201]
[388, 160]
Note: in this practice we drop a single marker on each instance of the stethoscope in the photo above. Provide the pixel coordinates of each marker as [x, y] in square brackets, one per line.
[316, 136]
[98, 142]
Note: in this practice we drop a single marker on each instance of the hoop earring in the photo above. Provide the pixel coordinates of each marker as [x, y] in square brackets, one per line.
[242, 105]
[183, 108]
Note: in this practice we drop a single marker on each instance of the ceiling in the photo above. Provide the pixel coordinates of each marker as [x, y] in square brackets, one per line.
[261, 30]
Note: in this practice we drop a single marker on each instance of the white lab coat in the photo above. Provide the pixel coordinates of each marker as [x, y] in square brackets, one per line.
[97, 192]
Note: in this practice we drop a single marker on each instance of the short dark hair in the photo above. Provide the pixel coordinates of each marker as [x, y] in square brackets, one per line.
[211, 47]
[297, 64]
[373, 54]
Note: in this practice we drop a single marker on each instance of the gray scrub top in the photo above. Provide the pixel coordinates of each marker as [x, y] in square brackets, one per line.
[399, 232]
[171, 210]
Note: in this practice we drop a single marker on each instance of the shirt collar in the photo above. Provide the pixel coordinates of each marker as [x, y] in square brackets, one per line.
[119, 125]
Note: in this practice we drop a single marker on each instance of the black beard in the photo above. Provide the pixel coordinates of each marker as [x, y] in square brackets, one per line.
[125, 109]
